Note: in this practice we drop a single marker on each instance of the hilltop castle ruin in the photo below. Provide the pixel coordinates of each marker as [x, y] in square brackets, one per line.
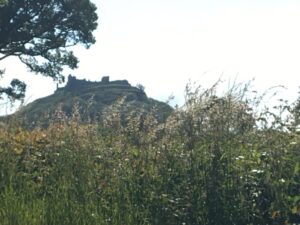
[105, 87]
[77, 85]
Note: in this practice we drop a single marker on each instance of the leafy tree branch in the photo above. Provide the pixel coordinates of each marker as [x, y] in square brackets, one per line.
[40, 32]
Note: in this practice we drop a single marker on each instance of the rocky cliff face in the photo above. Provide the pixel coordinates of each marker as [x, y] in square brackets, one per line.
[90, 100]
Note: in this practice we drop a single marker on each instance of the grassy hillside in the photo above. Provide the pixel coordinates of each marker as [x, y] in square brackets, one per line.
[90, 100]
[217, 160]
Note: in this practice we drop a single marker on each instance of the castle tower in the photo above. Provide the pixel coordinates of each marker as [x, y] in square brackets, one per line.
[105, 79]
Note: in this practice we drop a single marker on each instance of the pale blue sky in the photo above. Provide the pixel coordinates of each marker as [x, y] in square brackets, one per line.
[164, 43]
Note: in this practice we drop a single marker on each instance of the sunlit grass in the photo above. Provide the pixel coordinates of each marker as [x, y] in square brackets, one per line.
[215, 161]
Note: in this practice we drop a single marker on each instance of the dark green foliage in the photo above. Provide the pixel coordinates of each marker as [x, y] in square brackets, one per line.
[15, 91]
[40, 32]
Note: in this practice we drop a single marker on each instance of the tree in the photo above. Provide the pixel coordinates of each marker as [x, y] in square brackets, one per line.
[40, 32]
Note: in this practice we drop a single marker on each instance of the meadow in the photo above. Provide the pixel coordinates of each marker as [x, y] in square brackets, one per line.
[217, 160]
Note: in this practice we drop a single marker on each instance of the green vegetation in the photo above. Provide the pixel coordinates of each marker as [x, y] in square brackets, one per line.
[217, 160]
[40, 34]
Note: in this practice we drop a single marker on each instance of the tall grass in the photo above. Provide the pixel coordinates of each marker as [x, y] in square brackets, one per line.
[217, 160]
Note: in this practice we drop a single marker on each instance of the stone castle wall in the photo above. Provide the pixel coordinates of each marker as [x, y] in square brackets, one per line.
[75, 84]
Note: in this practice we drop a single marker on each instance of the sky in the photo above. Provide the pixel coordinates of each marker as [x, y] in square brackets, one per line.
[162, 44]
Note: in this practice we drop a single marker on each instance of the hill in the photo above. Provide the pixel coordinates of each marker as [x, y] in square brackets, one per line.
[91, 100]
